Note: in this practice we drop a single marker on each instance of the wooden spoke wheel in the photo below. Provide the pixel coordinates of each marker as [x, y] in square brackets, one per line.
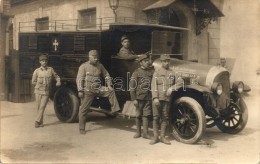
[187, 120]
[66, 105]
[235, 118]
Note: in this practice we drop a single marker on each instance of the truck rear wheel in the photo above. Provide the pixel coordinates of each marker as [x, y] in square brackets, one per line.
[66, 105]
[235, 119]
[187, 120]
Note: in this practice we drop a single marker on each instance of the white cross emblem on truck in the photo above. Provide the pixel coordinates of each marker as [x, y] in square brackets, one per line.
[55, 44]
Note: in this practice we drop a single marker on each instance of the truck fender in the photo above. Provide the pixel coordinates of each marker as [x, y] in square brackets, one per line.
[247, 88]
[199, 88]
[176, 88]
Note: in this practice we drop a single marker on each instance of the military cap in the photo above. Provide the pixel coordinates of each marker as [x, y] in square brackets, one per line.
[43, 57]
[165, 57]
[93, 53]
[142, 57]
[124, 37]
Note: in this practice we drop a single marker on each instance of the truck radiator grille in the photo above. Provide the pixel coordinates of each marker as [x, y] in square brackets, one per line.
[224, 99]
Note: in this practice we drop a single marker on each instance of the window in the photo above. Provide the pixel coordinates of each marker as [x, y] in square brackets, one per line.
[87, 18]
[42, 23]
[163, 17]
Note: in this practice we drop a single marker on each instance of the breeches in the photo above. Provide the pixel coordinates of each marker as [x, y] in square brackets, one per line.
[87, 100]
[144, 108]
[161, 111]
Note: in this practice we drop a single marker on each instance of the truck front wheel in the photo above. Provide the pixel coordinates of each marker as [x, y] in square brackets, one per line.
[187, 120]
[235, 119]
[66, 105]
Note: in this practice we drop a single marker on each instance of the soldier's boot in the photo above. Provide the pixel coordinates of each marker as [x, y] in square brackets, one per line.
[37, 124]
[145, 128]
[82, 131]
[82, 126]
[138, 128]
[155, 138]
[162, 135]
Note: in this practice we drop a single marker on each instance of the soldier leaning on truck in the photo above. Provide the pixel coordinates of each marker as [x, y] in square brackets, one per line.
[163, 79]
[125, 51]
[140, 91]
[42, 79]
[89, 86]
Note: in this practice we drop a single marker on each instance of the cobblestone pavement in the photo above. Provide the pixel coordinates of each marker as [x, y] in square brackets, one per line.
[111, 140]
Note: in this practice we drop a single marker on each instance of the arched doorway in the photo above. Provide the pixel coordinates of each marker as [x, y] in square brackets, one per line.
[177, 14]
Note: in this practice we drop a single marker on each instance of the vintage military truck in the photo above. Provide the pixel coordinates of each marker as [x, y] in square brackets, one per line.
[203, 95]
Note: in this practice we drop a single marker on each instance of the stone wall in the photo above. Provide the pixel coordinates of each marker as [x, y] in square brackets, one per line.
[214, 36]
[240, 39]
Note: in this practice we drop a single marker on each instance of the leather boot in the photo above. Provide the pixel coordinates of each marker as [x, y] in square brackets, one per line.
[145, 128]
[37, 124]
[138, 128]
[155, 138]
[82, 131]
[162, 136]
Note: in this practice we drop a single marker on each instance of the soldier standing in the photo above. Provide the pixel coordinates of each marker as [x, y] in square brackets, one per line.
[89, 86]
[42, 79]
[162, 80]
[140, 91]
[125, 51]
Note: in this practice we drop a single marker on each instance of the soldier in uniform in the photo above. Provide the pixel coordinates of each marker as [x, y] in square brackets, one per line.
[89, 86]
[42, 79]
[223, 62]
[162, 80]
[125, 52]
[140, 91]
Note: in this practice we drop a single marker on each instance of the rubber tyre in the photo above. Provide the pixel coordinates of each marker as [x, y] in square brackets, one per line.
[66, 105]
[239, 125]
[180, 119]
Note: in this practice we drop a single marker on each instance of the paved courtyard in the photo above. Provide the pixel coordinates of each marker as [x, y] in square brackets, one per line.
[111, 140]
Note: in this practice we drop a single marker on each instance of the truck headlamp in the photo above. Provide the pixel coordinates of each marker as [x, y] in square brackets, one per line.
[217, 88]
[238, 86]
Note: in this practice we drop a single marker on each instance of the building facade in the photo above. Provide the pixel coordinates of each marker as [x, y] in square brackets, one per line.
[199, 43]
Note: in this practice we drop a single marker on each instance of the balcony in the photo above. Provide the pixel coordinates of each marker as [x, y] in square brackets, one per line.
[74, 24]
[15, 2]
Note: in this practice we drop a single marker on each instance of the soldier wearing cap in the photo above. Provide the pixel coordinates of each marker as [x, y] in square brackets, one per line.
[89, 86]
[140, 91]
[125, 52]
[42, 80]
[162, 80]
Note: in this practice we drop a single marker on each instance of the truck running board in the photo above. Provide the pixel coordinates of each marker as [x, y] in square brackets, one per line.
[100, 110]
